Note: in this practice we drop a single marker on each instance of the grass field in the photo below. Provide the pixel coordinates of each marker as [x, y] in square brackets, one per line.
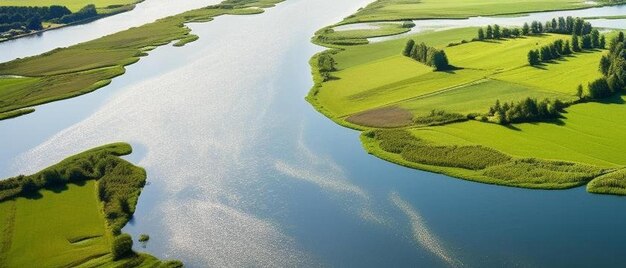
[374, 87]
[386, 10]
[74, 229]
[67, 222]
[76, 70]
[73, 5]
[487, 71]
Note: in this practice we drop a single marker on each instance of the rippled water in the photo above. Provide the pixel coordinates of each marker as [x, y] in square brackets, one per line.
[243, 172]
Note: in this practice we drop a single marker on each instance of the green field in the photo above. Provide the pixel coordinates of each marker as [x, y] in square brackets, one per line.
[80, 69]
[69, 214]
[386, 10]
[368, 81]
[373, 87]
[73, 5]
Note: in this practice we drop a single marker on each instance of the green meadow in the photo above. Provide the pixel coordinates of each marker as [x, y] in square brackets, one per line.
[70, 214]
[73, 5]
[391, 10]
[486, 71]
[375, 89]
[69, 72]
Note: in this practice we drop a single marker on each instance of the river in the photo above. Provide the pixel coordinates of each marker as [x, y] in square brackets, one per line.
[243, 172]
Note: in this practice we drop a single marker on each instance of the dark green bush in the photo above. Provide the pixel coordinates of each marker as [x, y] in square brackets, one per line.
[122, 246]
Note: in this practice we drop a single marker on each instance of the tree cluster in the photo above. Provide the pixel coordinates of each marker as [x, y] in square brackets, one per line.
[87, 12]
[427, 55]
[497, 32]
[592, 40]
[326, 64]
[549, 52]
[527, 110]
[613, 68]
[30, 18]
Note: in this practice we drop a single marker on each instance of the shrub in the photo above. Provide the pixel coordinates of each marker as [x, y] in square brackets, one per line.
[438, 118]
[122, 246]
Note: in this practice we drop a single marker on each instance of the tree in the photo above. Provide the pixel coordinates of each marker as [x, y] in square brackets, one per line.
[578, 26]
[534, 27]
[562, 26]
[586, 28]
[533, 58]
[579, 92]
[548, 27]
[34, 23]
[602, 44]
[497, 34]
[525, 29]
[569, 25]
[575, 43]
[586, 42]
[595, 38]
[481, 34]
[489, 34]
[605, 64]
[506, 32]
[620, 37]
[440, 61]
[515, 32]
[567, 49]
[554, 25]
[599, 89]
[408, 47]
[539, 28]
[122, 246]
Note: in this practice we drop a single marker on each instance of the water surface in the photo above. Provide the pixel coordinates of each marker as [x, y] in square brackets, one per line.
[243, 172]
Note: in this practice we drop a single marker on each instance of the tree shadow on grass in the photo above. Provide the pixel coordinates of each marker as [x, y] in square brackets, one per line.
[57, 188]
[35, 195]
[452, 69]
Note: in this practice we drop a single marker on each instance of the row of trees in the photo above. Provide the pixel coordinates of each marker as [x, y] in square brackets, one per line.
[613, 68]
[527, 110]
[428, 55]
[560, 48]
[497, 32]
[549, 52]
[561, 25]
[87, 12]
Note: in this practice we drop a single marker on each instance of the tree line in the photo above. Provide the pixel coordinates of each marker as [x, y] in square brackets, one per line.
[31, 18]
[527, 110]
[613, 69]
[591, 40]
[561, 25]
[427, 55]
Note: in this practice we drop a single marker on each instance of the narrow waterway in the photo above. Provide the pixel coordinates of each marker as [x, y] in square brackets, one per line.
[243, 172]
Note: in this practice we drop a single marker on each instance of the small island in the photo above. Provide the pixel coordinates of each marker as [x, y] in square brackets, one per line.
[86, 199]
[536, 105]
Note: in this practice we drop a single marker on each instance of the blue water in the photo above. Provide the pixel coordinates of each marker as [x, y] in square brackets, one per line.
[243, 172]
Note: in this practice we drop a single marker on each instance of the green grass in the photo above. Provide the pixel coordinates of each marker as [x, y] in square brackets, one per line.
[80, 69]
[612, 183]
[386, 10]
[15, 113]
[73, 5]
[476, 162]
[487, 71]
[74, 228]
[65, 218]
[586, 135]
